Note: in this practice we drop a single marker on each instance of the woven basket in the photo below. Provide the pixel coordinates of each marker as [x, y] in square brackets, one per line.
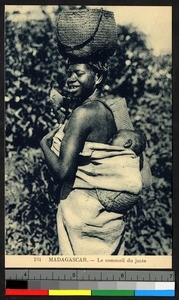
[87, 32]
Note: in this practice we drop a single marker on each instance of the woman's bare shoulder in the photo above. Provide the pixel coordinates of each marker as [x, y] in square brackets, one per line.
[89, 116]
[82, 118]
[96, 107]
[86, 111]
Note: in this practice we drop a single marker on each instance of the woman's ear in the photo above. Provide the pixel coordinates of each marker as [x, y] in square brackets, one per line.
[128, 143]
[98, 78]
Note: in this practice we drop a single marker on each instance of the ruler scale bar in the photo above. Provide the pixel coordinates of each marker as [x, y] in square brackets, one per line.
[66, 282]
[89, 275]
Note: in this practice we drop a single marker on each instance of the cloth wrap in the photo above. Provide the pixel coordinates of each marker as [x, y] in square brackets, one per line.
[85, 226]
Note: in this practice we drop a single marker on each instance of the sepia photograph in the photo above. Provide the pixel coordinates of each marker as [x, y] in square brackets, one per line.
[88, 130]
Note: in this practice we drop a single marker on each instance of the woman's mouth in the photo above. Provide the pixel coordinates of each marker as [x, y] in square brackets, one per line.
[73, 88]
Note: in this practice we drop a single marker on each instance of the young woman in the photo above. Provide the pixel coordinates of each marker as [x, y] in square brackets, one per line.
[85, 227]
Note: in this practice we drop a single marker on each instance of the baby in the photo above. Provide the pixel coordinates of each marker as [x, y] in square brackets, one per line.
[120, 202]
[133, 139]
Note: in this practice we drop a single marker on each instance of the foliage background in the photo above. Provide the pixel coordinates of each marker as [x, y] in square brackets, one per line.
[33, 66]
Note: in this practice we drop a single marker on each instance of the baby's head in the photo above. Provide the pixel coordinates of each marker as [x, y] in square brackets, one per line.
[135, 140]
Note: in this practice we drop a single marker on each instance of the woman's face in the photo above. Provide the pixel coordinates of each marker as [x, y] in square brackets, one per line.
[81, 81]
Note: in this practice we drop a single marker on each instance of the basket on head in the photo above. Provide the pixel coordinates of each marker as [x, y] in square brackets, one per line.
[86, 33]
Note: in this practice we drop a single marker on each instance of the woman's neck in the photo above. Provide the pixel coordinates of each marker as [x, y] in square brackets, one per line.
[96, 94]
[92, 97]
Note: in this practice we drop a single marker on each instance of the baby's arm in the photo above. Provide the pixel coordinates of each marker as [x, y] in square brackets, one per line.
[59, 105]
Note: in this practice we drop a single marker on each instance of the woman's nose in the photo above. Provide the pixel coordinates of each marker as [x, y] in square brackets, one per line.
[72, 77]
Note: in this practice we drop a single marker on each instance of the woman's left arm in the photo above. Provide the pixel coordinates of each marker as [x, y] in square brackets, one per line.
[78, 128]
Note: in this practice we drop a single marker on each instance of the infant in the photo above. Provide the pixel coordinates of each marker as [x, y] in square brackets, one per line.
[120, 202]
[133, 139]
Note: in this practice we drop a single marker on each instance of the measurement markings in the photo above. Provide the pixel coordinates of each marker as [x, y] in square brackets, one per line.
[91, 275]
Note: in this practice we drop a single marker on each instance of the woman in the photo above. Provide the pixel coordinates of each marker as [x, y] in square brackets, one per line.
[84, 226]
[91, 121]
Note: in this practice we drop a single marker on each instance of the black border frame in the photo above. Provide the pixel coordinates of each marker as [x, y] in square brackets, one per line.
[175, 72]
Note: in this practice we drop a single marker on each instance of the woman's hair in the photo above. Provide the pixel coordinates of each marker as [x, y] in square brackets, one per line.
[101, 68]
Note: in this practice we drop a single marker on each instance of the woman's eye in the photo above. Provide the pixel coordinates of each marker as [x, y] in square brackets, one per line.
[68, 74]
[79, 73]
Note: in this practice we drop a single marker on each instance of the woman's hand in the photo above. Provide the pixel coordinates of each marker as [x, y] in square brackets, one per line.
[47, 139]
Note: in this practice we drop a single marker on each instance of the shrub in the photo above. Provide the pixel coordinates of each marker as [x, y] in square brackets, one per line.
[30, 210]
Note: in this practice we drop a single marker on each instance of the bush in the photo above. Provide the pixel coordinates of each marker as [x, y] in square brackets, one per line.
[30, 211]
[32, 67]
